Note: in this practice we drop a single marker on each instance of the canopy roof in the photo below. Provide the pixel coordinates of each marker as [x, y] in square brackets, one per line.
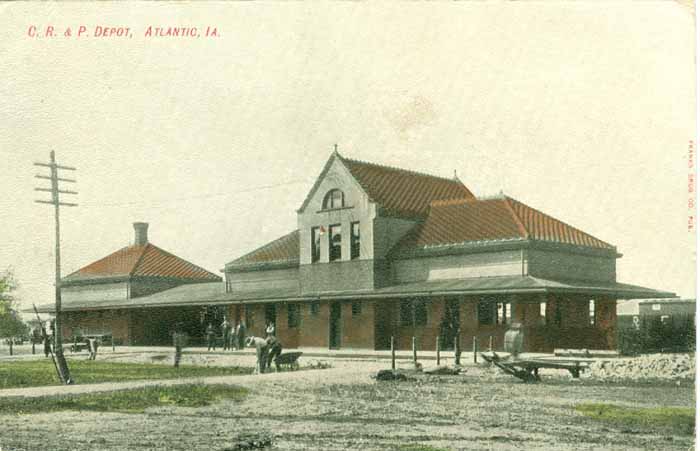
[213, 293]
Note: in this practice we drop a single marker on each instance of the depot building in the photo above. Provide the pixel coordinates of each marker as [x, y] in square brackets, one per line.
[378, 252]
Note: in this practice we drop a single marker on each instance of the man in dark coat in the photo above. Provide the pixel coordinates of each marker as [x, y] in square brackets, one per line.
[211, 337]
[226, 332]
[274, 349]
[179, 341]
[240, 335]
[47, 341]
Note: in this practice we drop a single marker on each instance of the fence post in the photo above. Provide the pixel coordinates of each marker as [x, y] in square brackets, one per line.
[11, 340]
[393, 354]
[491, 343]
[437, 348]
[33, 346]
[458, 349]
[112, 343]
[475, 345]
[415, 351]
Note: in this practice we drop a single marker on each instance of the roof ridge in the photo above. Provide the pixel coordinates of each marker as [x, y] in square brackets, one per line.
[407, 171]
[257, 249]
[77, 271]
[560, 221]
[518, 221]
[464, 200]
[448, 202]
[174, 256]
[140, 259]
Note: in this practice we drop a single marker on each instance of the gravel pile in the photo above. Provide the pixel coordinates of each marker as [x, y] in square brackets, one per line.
[653, 366]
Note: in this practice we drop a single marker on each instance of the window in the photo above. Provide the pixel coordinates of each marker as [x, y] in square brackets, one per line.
[334, 199]
[292, 315]
[334, 242]
[420, 312]
[503, 313]
[315, 244]
[315, 307]
[543, 313]
[356, 308]
[406, 312]
[413, 312]
[355, 240]
[249, 316]
[591, 312]
[487, 311]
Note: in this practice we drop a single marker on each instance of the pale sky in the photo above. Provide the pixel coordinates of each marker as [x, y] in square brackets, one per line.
[582, 110]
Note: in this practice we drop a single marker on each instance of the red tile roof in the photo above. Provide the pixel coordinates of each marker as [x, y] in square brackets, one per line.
[141, 261]
[281, 250]
[460, 221]
[404, 193]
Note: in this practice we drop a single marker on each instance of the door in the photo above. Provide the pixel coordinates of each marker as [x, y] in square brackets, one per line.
[383, 329]
[334, 326]
[449, 324]
[271, 315]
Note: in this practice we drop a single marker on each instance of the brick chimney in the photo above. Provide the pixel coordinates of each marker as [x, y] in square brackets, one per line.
[140, 233]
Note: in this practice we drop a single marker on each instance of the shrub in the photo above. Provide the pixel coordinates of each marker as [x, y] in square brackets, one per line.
[676, 334]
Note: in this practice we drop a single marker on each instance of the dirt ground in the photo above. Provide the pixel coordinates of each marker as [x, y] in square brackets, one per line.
[342, 408]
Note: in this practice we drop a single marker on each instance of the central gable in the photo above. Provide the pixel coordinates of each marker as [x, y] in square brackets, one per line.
[336, 201]
[335, 175]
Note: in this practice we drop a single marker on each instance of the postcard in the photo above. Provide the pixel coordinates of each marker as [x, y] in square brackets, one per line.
[416, 226]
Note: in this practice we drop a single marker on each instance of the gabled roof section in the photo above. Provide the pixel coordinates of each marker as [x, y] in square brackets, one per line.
[397, 192]
[492, 220]
[540, 226]
[403, 193]
[284, 250]
[141, 261]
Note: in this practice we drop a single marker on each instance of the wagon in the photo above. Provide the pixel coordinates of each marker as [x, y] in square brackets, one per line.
[290, 359]
[527, 370]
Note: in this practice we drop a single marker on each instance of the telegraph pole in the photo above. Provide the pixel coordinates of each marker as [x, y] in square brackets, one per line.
[62, 365]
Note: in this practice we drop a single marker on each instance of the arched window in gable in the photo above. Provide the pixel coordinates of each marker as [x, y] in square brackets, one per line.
[334, 199]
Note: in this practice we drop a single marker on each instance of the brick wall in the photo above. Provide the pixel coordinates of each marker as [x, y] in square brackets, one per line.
[425, 335]
[314, 327]
[115, 322]
[289, 336]
[357, 331]
[606, 320]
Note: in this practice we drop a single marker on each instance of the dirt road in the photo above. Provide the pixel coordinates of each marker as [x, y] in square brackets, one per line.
[347, 410]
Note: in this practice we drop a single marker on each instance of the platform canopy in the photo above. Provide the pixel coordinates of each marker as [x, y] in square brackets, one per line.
[213, 293]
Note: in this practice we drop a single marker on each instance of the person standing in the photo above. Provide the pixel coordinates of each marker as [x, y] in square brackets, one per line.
[226, 332]
[211, 337]
[240, 335]
[93, 344]
[179, 342]
[47, 335]
[270, 331]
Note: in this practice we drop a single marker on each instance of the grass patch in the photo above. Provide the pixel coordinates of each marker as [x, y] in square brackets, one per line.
[35, 373]
[677, 419]
[126, 401]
